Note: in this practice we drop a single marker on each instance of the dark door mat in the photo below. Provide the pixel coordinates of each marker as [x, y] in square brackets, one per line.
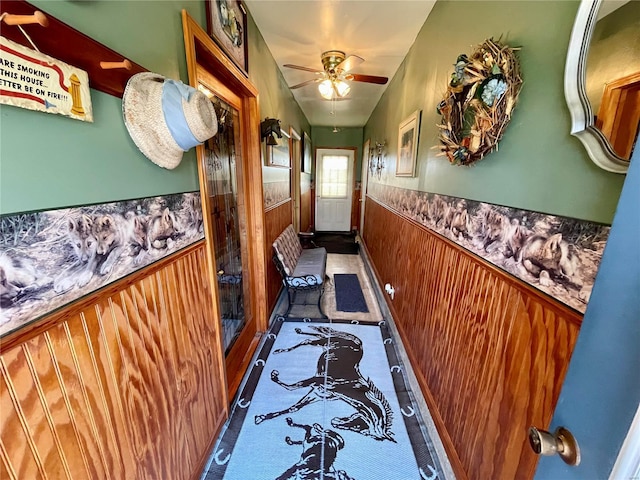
[344, 243]
[349, 296]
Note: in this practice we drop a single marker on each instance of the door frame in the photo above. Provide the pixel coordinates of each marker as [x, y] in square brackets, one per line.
[364, 181]
[316, 177]
[295, 139]
[203, 55]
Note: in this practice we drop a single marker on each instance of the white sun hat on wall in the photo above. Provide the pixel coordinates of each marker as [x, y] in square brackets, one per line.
[165, 118]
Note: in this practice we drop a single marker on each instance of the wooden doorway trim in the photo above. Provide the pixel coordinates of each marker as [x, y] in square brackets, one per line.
[296, 162]
[619, 114]
[203, 53]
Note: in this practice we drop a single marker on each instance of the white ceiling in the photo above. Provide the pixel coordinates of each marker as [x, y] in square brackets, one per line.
[298, 31]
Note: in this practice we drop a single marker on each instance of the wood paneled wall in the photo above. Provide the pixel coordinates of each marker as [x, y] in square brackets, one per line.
[355, 209]
[127, 383]
[489, 351]
[275, 220]
[305, 202]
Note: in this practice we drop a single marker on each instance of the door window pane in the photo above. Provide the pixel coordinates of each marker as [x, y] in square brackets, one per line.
[334, 176]
[222, 153]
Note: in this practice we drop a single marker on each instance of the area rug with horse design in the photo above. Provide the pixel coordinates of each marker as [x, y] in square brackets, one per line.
[325, 400]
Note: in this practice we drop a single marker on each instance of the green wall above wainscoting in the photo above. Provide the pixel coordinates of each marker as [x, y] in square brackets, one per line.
[275, 99]
[322, 137]
[50, 161]
[539, 165]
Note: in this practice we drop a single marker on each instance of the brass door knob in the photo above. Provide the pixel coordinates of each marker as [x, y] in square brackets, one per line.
[561, 442]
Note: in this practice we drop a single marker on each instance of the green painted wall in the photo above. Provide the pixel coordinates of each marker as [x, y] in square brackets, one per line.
[275, 99]
[322, 137]
[50, 161]
[539, 165]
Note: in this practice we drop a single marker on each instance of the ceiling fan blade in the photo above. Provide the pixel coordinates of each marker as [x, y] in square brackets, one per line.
[306, 69]
[314, 80]
[349, 62]
[369, 79]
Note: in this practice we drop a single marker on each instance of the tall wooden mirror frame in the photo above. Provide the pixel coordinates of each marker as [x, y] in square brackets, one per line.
[582, 126]
[204, 56]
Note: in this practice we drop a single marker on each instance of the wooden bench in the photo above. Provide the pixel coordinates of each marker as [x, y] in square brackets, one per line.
[302, 270]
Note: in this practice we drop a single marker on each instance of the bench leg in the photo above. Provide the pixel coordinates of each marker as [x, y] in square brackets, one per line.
[291, 294]
[322, 314]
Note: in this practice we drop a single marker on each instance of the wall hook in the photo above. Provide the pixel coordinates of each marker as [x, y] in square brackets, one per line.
[37, 17]
[126, 64]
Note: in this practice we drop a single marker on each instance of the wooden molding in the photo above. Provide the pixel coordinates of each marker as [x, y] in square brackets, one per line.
[276, 220]
[40, 326]
[619, 113]
[447, 443]
[208, 65]
[559, 307]
[65, 43]
[489, 352]
[124, 384]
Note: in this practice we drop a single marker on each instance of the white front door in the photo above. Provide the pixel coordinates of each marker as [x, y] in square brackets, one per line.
[334, 189]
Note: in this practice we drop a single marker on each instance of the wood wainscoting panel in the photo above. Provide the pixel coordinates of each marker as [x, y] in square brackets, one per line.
[275, 220]
[125, 384]
[490, 351]
[305, 202]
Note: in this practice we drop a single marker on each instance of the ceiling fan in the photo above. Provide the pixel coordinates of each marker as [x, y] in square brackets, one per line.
[333, 79]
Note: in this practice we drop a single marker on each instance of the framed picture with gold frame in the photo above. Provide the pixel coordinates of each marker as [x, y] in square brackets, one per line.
[408, 133]
[227, 25]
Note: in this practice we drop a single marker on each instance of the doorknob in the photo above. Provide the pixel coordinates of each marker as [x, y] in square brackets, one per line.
[561, 442]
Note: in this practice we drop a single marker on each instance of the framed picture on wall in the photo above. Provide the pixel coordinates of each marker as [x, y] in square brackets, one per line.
[227, 25]
[278, 155]
[408, 145]
[306, 153]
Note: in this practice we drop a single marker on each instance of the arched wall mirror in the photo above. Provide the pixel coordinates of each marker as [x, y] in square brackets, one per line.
[602, 80]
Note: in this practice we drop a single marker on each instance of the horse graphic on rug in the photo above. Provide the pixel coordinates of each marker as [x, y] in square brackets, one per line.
[338, 377]
[319, 450]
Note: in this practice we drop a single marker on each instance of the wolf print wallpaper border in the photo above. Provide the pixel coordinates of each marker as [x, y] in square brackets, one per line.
[51, 258]
[275, 193]
[557, 255]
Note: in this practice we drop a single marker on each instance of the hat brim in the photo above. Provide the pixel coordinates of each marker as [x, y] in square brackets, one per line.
[144, 120]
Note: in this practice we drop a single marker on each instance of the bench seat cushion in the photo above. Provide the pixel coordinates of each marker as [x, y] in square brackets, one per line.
[310, 268]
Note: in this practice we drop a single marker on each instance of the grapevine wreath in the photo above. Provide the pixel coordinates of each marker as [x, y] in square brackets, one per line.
[478, 103]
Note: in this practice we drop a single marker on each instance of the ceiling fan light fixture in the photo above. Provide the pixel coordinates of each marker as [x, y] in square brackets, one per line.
[343, 88]
[326, 89]
[330, 89]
